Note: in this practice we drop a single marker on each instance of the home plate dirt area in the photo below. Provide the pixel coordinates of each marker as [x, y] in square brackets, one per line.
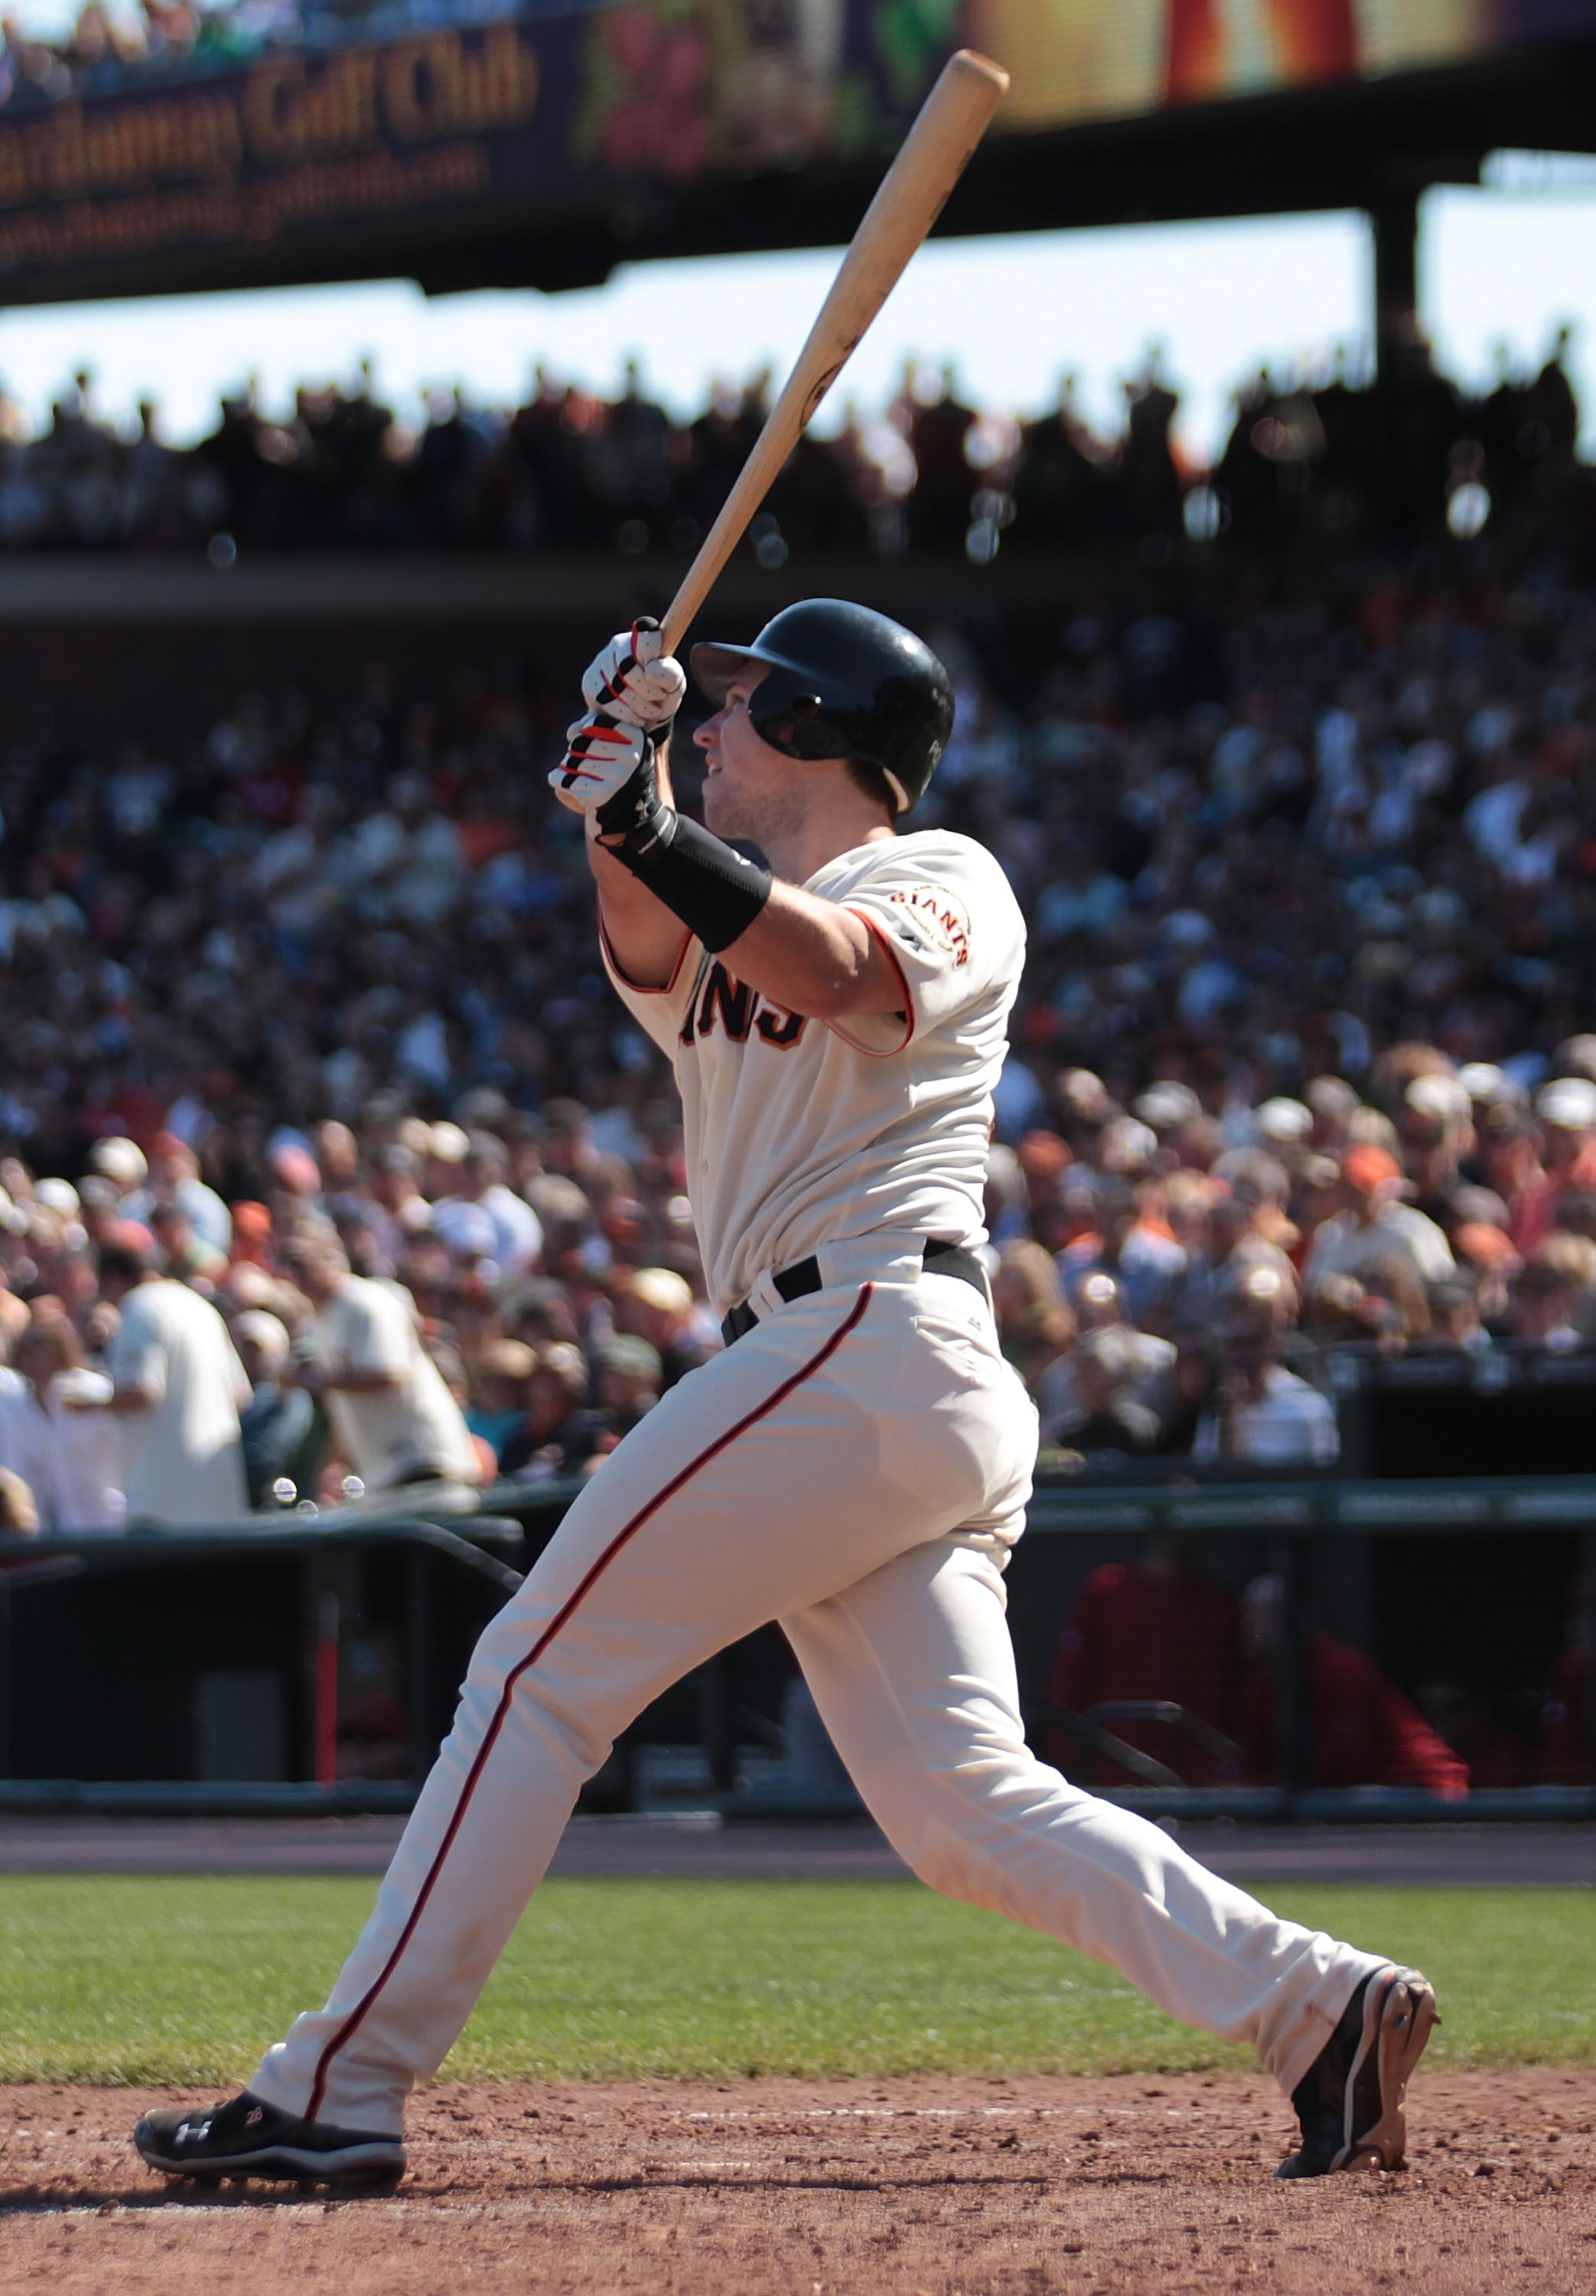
[956, 2187]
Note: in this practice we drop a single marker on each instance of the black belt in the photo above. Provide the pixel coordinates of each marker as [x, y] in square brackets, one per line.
[804, 1276]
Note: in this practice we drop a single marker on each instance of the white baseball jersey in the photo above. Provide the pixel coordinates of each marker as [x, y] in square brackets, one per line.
[799, 1134]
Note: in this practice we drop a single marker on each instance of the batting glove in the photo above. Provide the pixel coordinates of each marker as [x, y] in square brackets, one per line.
[633, 681]
[601, 758]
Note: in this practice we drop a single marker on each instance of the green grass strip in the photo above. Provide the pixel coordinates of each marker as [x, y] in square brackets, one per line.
[120, 1980]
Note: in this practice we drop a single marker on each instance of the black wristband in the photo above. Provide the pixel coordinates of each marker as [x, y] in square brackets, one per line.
[715, 891]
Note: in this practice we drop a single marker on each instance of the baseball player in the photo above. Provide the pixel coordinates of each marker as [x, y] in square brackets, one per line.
[856, 1464]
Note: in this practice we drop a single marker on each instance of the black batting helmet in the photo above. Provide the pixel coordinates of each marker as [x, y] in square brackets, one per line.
[843, 682]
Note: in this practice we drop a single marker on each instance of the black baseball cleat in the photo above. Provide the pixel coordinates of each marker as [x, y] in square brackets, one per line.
[1350, 2101]
[245, 2138]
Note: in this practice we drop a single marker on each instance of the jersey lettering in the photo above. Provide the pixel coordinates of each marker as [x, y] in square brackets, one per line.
[734, 999]
[780, 1029]
[739, 1007]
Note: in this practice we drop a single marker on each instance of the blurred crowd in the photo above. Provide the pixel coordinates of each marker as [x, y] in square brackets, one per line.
[1326, 462]
[1301, 1063]
[410, 1302]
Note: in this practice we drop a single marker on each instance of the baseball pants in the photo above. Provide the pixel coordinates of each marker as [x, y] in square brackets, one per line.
[856, 1466]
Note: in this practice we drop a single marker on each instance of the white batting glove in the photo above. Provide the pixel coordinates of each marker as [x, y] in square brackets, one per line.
[601, 759]
[633, 681]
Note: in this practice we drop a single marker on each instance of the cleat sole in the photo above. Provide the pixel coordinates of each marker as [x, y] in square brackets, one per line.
[1407, 2019]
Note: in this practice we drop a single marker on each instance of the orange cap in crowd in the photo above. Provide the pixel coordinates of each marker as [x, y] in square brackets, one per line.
[1487, 1246]
[1366, 1168]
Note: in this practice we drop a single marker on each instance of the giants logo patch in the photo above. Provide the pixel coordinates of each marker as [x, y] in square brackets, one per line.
[939, 918]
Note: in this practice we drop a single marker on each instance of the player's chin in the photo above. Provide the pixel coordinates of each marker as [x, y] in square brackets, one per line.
[720, 808]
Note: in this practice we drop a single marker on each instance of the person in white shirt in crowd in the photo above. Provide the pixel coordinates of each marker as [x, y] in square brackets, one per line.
[1376, 1225]
[13, 1403]
[1099, 1304]
[393, 1418]
[179, 1387]
[480, 1190]
[1264, 1413]
[122, 1162]
[70, 1451]
[405, 865]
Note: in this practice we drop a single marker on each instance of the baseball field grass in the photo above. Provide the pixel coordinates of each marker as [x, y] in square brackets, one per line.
[154, 1980]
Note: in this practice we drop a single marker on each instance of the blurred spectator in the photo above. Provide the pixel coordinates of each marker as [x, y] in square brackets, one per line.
[1034, 1323]
[1262, 1411]
[1567, 1109]
[179, 1387]
[394, 1420]
[124, 1164]
[631, 1377]
[173, 1179]
[68, 1450]
[1554, 1295]
[277, 1426]
[504, 1372]
[1136, 1361]
[1362, 1732]
[514, 1238]
[1187, 1388]
[1106, 1417]
[1155, 1629]
[656, 1305]
[556, 1435]
[1375, 1226]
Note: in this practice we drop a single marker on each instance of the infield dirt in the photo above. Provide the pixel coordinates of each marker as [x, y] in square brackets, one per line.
[949, 2188]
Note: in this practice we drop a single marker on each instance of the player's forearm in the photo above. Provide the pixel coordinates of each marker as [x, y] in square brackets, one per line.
[645, 938]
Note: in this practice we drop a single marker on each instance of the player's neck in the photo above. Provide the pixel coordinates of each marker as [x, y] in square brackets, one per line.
[800, 848]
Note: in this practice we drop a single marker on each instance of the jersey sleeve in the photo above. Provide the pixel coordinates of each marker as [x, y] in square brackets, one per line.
[943, 911]
[659, 1013]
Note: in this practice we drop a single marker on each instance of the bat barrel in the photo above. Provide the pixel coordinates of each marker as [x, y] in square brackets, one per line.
[913, 194]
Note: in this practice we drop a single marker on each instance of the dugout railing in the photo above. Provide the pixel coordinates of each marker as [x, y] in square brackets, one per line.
[311, 1662]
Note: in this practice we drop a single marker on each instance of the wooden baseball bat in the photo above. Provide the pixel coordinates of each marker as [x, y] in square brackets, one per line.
[913, 192]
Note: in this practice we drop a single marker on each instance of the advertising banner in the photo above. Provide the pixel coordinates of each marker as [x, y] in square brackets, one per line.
[335, 140]
[530, 114]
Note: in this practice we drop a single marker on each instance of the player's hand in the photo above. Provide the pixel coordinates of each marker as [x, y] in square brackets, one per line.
[633, 681]
[602, 757]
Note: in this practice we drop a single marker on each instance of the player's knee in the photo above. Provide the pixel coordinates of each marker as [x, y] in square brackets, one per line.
[506, 1692]
[579, 1730]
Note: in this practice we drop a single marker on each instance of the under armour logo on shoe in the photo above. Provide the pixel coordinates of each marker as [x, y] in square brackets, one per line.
[256, 2112]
